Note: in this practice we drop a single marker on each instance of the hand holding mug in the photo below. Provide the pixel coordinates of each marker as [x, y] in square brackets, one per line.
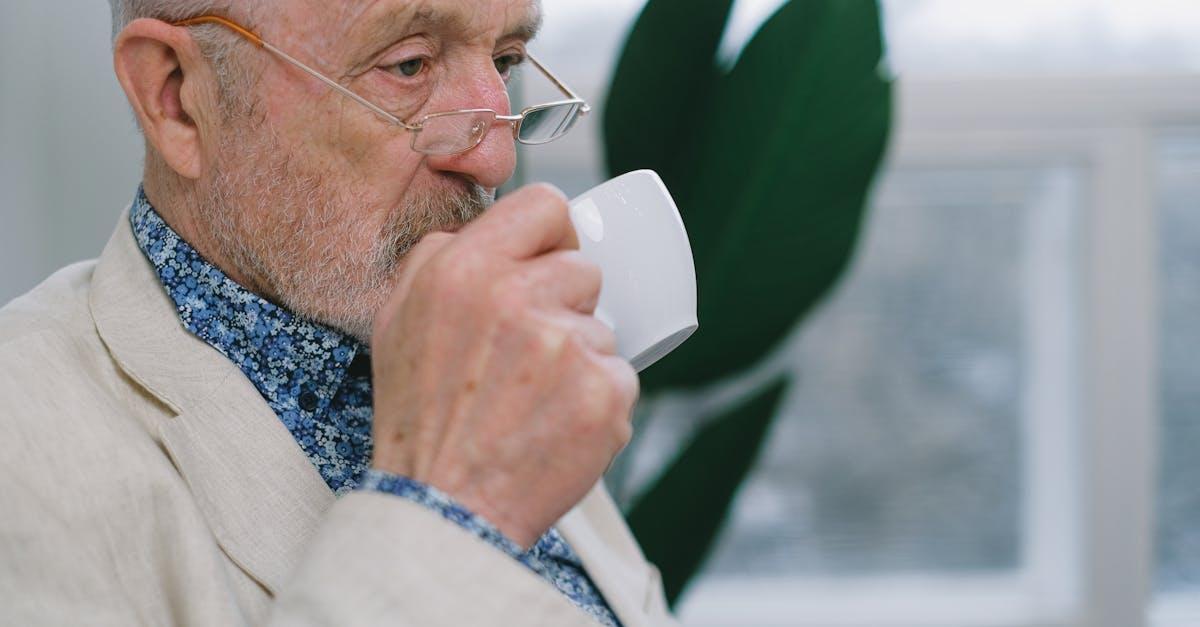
[505, 358]
[493, 381]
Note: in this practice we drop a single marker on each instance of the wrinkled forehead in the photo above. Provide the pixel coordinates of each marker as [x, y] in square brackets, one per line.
[363, 23]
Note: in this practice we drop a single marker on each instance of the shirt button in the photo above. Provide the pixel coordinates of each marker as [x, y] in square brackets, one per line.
[308, 401]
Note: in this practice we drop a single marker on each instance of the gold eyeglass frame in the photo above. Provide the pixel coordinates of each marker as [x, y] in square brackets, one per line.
[512, 120]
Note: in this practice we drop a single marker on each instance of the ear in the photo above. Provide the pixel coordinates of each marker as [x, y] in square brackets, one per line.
[171, 88]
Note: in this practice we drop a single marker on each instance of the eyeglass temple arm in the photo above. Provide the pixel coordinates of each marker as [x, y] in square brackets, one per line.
[557, 83]
[258, 41]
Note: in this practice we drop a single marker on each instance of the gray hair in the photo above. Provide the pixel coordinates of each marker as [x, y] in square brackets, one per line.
[217, 45]
[126, 11]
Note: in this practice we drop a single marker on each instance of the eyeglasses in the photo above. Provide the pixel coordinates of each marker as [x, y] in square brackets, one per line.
[447, 132]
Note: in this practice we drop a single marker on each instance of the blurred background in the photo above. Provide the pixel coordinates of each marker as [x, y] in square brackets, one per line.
[989, 418]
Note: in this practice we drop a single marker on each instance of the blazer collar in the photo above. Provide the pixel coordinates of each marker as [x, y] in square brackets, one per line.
[260, 495]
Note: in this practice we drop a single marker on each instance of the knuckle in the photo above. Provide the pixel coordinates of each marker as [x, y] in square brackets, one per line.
[582, 269]
[605, 336]
[506, 298]
[514, 284]
[595, 396]
[625, 383]
[549, 339]
[610, 388]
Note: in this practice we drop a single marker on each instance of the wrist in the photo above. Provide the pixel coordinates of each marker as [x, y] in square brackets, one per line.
[390, 459]
[475, 513]
[516, 530]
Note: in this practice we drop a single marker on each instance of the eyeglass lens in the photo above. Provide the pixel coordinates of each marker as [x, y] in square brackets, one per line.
[456, 132]
[547, 122]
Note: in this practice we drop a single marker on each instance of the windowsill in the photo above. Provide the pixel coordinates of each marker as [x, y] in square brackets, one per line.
[899, 601]
[1176, 609]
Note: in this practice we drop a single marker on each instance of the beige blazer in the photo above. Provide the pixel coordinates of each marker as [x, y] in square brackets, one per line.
[144, 481]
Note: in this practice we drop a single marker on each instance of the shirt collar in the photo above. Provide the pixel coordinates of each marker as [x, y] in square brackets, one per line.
[294, 363]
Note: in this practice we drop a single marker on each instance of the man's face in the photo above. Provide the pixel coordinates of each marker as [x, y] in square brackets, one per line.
[314, 198]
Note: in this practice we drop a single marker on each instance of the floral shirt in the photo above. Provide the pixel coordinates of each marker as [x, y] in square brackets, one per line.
[318, 382]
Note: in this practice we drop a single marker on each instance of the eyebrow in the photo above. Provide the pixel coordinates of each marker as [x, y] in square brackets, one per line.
[528, 27]
[406, 20]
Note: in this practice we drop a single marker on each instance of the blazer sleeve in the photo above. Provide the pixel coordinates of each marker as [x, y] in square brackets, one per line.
[361, 571]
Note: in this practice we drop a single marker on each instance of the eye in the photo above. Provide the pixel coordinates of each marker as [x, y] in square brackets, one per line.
[505, 63]
[408, 68]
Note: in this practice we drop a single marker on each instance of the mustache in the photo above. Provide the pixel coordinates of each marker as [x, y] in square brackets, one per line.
[440, 210]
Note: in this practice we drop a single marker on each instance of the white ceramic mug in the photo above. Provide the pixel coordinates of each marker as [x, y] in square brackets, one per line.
[630, 227]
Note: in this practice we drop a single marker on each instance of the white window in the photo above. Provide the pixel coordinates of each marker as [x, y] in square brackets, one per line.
[974, 433]
[971, 441]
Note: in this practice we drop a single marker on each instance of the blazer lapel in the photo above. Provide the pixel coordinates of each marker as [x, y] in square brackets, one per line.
[610, 555]
[259, 493]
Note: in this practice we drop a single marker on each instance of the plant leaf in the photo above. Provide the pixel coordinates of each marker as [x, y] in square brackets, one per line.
[676, 520]
[667, 68]
[773, 193]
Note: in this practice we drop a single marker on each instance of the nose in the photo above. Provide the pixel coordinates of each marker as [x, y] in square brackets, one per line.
[492, 162]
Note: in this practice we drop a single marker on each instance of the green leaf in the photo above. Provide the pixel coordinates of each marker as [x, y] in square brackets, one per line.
[667, 67]
[773, 179]
[770, 165]
[676, 520]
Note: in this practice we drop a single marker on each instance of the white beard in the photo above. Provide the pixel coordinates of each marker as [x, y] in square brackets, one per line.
[295, 237]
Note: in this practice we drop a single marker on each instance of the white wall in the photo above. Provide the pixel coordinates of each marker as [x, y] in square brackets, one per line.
[70, 157]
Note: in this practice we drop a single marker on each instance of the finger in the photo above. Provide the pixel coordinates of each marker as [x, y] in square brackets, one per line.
[625, 386]
[526, 223]
[595, 335]
[563, 278]
[626, 378]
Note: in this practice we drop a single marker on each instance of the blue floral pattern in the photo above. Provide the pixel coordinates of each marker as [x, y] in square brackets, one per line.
[301, 368]
[318, 381]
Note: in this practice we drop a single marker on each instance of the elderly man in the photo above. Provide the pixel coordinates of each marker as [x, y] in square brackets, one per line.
[310, 380]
